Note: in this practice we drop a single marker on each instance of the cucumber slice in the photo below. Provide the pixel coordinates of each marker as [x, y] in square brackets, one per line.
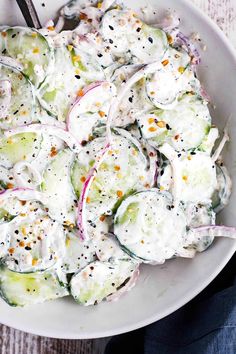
[130, 38]
[50, 146]
[185, 127]
[24, 146]
[78, 253]
[31, 49]
[174, 77]
[36, 242]
[72, 71]
[196, 180]
[148, 228]
[223, 191]
[122, 172]
[136, 100]
[60, 199]
[106, 246]
[200, 215]
[19, 289]
[21, 107]
[98, 280]
[90, 110]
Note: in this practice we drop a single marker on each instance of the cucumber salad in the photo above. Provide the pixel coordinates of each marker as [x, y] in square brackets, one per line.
[108, 154]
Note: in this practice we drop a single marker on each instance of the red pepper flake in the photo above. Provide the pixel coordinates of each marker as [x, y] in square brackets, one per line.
[53, 151]
[119, 194]
[83, 16]
[165, 62]
[102, 218]
[152, 129]
[80, 93]
[177, 137]
[102, 114]
[11, 250]
[10, 186]
[83, 179]
[170, 39]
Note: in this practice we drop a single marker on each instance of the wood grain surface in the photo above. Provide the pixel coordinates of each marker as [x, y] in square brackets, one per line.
[223, 12]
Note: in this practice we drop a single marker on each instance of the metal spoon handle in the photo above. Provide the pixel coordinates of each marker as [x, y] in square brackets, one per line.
[29, 13]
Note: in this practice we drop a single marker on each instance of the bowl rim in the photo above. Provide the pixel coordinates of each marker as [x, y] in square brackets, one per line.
[178, 304]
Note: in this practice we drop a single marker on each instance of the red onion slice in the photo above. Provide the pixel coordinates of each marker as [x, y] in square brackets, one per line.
[189, 47]
[97, 91]
[127, 287]
[82, 214]
[214, 231]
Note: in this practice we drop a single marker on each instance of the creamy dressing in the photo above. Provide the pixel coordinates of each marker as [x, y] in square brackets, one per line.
[106, 154]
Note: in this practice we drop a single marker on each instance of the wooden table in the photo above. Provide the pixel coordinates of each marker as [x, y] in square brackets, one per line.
[223, 12]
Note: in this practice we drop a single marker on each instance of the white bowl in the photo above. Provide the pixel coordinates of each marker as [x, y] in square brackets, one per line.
[161, 289]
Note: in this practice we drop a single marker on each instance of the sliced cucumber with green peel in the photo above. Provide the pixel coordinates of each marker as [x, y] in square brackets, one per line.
[57, 189]
[36, 242]
[100, 279]
[72, 71]
[19, 289]
[50, 146]
[22, 103]
[200, 215]
[195, 177]
[19, 147]
[31, 49]
[173, 78]
[223, 191]
[78, 253]
[184, 127]
[149, 228]
[130, 38]
[122, 172]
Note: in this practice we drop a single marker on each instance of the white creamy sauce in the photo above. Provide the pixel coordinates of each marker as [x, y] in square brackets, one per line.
[107, 136]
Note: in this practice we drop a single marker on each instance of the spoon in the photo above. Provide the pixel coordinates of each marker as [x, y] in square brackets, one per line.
[29, 13]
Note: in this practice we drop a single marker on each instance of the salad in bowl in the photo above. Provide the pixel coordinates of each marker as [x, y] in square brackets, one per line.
[108, 154]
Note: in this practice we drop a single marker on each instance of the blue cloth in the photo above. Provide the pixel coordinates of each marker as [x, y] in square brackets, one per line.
[207, 325]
